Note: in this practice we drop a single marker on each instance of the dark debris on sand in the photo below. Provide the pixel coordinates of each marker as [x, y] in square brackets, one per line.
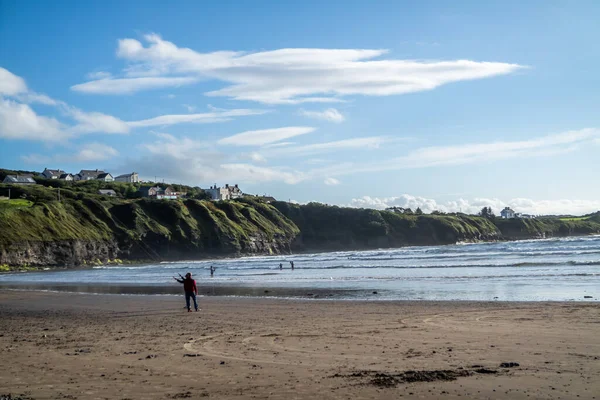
[389, 380]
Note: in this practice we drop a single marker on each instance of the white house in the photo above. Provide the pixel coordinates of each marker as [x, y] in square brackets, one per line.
[105, 177]
[507, 213]
[128, 178]
[52, 173]
[224, 193]
[107, 192]
[19, 180]
[524, 216]
[91, 174]
[66, 177]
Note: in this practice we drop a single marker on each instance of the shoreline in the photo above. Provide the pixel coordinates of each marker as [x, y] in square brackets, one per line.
[103, 346]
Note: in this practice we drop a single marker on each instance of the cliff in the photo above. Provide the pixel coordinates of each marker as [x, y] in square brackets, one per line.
[85, 228]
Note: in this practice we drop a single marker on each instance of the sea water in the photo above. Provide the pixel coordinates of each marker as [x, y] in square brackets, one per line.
[530, 270]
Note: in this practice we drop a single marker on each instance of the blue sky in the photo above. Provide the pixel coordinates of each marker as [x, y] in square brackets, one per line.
[443, 105]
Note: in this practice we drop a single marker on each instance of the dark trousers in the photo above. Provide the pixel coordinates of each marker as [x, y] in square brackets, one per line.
[187, 300]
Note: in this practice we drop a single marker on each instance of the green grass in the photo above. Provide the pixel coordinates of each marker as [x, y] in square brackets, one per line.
[14, 203]
[575, 218]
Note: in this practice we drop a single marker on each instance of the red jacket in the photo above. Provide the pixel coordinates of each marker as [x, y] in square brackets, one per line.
[189, 285]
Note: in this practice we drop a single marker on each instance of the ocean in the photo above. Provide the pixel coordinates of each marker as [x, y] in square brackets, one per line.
[562, 269]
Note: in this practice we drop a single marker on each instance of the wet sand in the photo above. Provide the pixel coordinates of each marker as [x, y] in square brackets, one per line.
[60, 345]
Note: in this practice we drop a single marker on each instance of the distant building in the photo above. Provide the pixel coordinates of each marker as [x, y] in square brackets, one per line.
[224, 193]
[156, 192]
[268, 199]
[52, 173]
[524, 216]
[88, 174]
[105, 177]
[128, 178]
[507, 213]
[66, 177]
[19, 180]
[107, 192]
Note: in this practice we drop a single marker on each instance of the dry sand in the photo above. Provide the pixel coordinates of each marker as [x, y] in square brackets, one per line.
[66, 346]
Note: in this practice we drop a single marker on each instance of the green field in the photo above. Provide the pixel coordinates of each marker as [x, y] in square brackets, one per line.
[575, 218]
[14, 203]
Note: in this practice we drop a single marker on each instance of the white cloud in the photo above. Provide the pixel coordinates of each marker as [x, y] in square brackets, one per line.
[256, 157]
[331, 181]
[317, 148]
[11, 84]
[330, 114]
[470, 153]
[285, 76]
[90, 122]
[202, 118]
[87, 152]
[19, 121]
[131, 85]
[190, 108]
[32, 97]
[265, 136]
[94, 152]
[525, 206]
[99, 75]
[196, 163]
[279, 144]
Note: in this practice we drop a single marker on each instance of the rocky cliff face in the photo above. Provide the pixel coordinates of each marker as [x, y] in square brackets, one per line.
[58, 253]
[79, 232]
[84, 230]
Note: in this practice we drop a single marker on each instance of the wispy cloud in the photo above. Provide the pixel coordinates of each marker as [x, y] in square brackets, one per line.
[331, 181]
[189, 160]
[471, 153]
[318, 148]
[99, 75]
[265, 136]
[87, 152]
[330, 114]
[131, 85]
[201, 118]
[189, 107]
[95, 152]
[473, 206]
[285, 76]
[11, 84]
[19, 121]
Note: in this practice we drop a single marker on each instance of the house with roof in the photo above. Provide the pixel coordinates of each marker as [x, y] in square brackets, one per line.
[128, 178]
[52, 173]
[91, 174]
[507, 213]
[19, 180]
[107, 192]
[224, 193]
[66, 177]
[105, 177]
[156, 192]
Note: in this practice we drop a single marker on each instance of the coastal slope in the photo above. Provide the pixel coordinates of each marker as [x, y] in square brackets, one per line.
[82, 228]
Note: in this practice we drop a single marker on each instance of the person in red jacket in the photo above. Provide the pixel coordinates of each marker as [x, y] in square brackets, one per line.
[189, 286]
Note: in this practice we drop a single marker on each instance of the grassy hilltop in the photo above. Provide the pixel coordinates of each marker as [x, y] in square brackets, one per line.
[83, 227]
[40, 230]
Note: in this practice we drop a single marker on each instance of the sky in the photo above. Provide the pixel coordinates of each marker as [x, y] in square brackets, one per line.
[448, 106]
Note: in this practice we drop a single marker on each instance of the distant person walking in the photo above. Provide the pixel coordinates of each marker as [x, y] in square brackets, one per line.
[280, 266]
[212, 271]
[292, 265]
[189, 286]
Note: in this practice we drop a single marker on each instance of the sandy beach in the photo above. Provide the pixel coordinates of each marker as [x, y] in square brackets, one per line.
[67, 346]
